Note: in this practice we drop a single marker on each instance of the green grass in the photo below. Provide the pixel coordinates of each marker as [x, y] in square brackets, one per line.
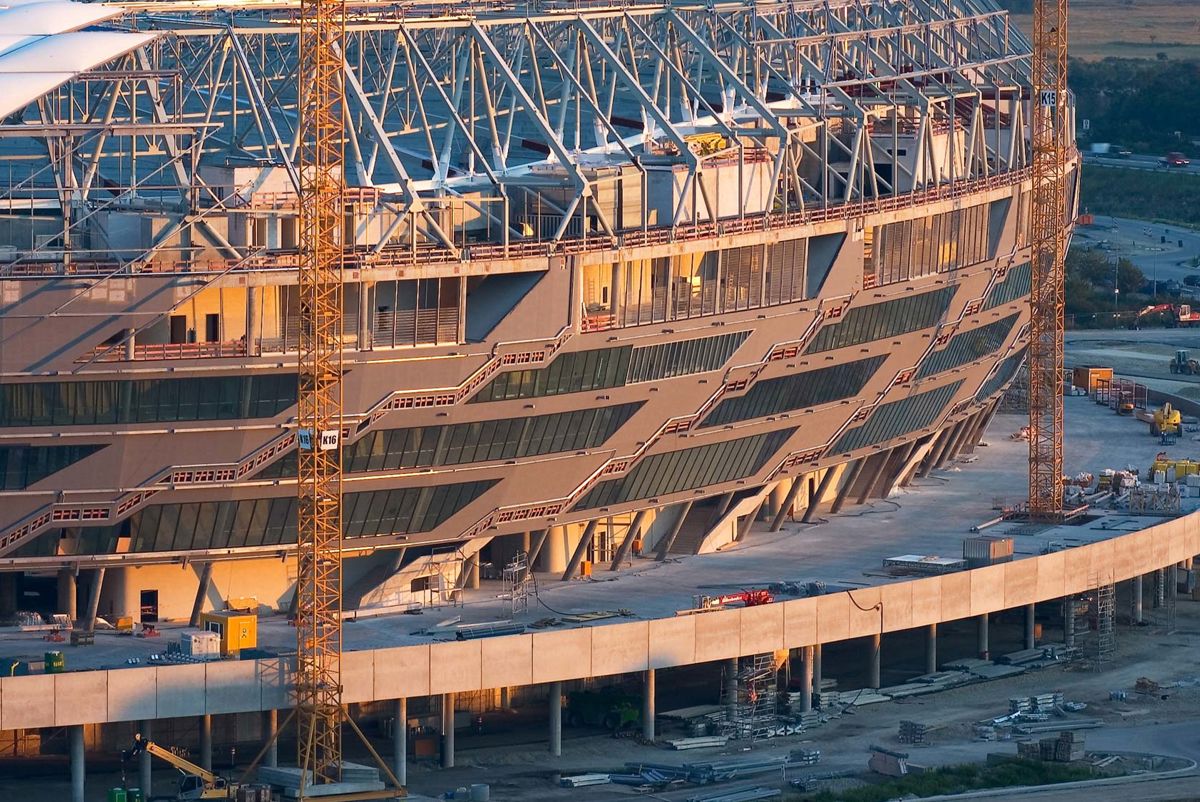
[1141, 194]
[957, 779]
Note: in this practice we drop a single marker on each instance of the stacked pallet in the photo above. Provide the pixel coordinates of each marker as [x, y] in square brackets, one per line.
[1066, 748]
[1041, 703]
[805, 757]
[913, 732]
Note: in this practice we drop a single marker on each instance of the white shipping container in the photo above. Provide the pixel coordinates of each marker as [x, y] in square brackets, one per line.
[206, 645]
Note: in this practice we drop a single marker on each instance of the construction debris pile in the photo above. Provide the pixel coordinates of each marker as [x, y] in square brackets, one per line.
[647, 777]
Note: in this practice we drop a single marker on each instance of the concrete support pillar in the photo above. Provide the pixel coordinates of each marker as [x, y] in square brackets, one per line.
[847, 483]
[788, 501]
[1160, 587]
[525, 541]
[471, 569]
[806, 679]
[931, 655]
[871, 476]
[8, 593]
[893, 470]
[938, 455]
[130, 344]
[634, 531]
[66, 592]
[1030, 626]
[400, 742]
[777, 496]
[817, 675]
[539, 543]
[814, 500]
[93, 605]
[364, 316]
[956, 437]
[731, 684]
[873, 660]
[75, 735]
[447, 730]
[253, 313]
[554, 551]
[585, 542]
[1173, 581]
[271, 758]
[982, 628]
[201, 594]
[668, 540]
[206, 741]
[747, 521]
[1138, 616]
[556, 719]
[648, 709]
[145, 728]
[1069, 621]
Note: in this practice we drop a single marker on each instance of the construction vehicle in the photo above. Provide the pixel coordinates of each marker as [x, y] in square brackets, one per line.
[1178, 314]
[746, 598]
[1185, 365]
[197, 782]
[609, 708]
[1167, 421]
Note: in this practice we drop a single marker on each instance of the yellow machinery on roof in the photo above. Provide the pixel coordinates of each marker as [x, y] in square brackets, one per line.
[1167, 420]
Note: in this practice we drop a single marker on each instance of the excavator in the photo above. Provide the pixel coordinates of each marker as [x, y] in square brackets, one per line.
[197, 782]
[1179, 314]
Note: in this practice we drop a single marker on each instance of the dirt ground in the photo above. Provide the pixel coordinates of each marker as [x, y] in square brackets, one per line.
[1131, 28]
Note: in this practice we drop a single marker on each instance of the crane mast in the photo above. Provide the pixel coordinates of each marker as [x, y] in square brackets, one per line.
[1048, 238]
[321, 95]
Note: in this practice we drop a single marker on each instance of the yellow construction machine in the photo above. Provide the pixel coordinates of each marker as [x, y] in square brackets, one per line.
[1167, 420]
[197, 782]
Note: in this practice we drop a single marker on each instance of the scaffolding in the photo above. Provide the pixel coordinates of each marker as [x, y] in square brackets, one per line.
[752, 708]
[1164, 603]
[1102, 616]
[519, 584]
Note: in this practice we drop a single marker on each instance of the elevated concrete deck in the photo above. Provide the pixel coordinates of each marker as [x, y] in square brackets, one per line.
[387, 657]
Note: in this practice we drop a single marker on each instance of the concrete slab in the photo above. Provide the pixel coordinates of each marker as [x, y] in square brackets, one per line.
[402, 672]
[762, 629]
[718, 635]
[132, 694]
[358, 677]
[232, 686]
[458, 664]
[180, 690]
[30, 702]
[620, 648]
[562, 655]
[507, 661]
[672, 641]
[82, 697]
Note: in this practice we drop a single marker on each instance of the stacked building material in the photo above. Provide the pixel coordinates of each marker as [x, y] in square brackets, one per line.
[913, 732]
[584, 780]
[805, 757]
[1065, 748]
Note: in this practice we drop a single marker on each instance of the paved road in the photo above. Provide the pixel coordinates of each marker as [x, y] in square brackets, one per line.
[1149, 789]
[1154, 248]
[1139, 161]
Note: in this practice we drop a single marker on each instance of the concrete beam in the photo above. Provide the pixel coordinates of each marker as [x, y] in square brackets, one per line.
[788, 501]
[668, 540]
[635, 528]
[814, 500]
[585, 542]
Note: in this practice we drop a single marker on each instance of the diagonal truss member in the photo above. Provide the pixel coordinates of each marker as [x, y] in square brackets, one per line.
[319, 557]
[1048, 237]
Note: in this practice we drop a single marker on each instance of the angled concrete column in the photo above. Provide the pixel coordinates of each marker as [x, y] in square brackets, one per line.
[635, 529]
[201, 594]
[145, 728]
[814, 499]
[525, 539]
[931, 656]
[556, 719]
[1137, 599]
[130, 345]
[878, 463]
[93, 606]
[788, 501]
[935, 450]
[447, 730]
[747, 521]
[648, 709]
[873, 660]
[982, 629]
[720, 508]
[471, 569]
[806, 679]
[1030, 626]
[66, 592]
[589, 533]
[894, 471]
[539, 542]
[206, 742]
[271, 758]
[668, 540]
[938, 455]
[847, 484]
[400, 742]
[959, 435]
[75, 736]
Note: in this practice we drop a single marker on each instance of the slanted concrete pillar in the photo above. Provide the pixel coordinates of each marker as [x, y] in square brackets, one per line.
[93, 606]
[556, 719]
[206, 741]
[878, 463]
[75, 735]
[539, 544]
[788, 501]
[847, 484]
[631, 534]
[814, 499]
[201, 594]
[145, 728]
[130, 344]
[648, 709]
[806, 679]
[668, 539]
[471, 569]
[873, 659]
[1137, 599]
[447, 730]
[931, 655]
[982, 628]
[1030, 626]
[400, 742]
[66, 592]
[271, 758]
[581, 550]
[1069, 621]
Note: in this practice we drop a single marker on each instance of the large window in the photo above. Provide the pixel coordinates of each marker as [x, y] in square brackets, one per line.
[481, 441]
[883, 320]
[798, 391]
[1003, 375]
[146, 400]
[272, 521]
[613, 367]
[897, 418]
[21, 466]
[1015, 286]
[688, 469]
[967, 346]
[936, 244]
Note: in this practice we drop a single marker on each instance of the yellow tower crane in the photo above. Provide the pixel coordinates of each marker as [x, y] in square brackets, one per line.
[1048, 238]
